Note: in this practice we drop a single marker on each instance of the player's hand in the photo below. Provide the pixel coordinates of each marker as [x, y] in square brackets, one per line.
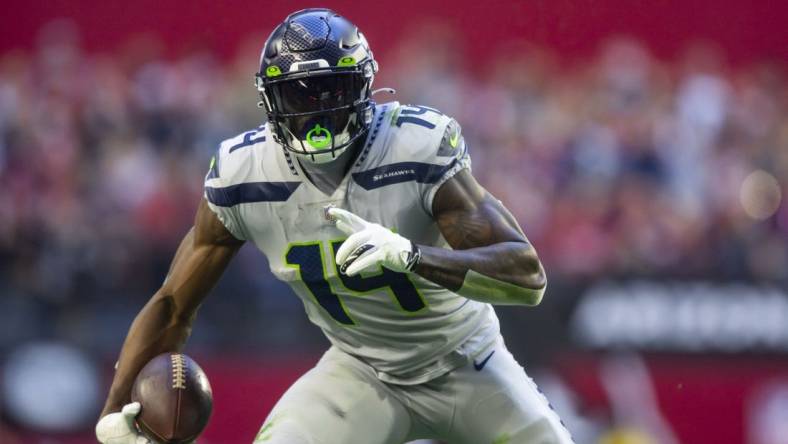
[370, 245]
[119, 427]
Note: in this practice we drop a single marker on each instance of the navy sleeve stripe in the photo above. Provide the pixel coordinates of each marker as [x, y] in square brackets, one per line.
[401, 172]
[251, 192]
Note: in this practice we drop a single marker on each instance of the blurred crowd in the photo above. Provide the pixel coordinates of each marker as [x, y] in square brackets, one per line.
[618, 165]
[624, 164]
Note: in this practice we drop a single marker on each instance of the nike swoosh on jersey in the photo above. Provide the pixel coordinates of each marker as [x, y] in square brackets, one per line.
[454, 139]
[480, 365]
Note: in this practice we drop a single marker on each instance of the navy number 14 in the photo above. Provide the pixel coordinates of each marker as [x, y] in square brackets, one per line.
[307, 258]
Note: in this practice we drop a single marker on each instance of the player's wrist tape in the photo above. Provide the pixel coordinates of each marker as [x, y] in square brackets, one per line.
[414, 258]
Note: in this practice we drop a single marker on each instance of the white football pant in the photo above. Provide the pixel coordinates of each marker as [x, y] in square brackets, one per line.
[490, 400]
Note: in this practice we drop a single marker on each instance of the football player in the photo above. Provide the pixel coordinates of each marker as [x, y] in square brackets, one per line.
[370, 212]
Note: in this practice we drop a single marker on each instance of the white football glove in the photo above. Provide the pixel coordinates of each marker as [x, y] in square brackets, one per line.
[119, 427]
[370, 245]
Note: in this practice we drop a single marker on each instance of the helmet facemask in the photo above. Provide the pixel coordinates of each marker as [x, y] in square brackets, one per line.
[317, 113]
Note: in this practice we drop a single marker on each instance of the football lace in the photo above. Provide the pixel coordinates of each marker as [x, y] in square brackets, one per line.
[178, 371]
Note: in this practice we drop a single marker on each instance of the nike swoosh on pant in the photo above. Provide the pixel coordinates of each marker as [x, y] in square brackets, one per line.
[480, 365]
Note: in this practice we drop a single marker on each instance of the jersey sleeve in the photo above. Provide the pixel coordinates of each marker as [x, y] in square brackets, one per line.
[217, 194]
[449, 157]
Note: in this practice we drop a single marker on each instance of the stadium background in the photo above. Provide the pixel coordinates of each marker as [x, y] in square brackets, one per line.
[643, 146]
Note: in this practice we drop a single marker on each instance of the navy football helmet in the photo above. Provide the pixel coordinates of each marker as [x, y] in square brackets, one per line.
[316, 71]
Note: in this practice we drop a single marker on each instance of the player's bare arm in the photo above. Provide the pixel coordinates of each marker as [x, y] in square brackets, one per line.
[164, 323]
[491, 260]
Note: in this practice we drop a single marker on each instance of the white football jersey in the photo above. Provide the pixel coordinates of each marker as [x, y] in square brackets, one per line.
[406, 327]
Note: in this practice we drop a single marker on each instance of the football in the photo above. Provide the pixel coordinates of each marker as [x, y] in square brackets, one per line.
[176, 399]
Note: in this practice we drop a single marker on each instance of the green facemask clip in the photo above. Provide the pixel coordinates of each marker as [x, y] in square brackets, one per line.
[319, 137]
[347, 61]
[273, 71]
